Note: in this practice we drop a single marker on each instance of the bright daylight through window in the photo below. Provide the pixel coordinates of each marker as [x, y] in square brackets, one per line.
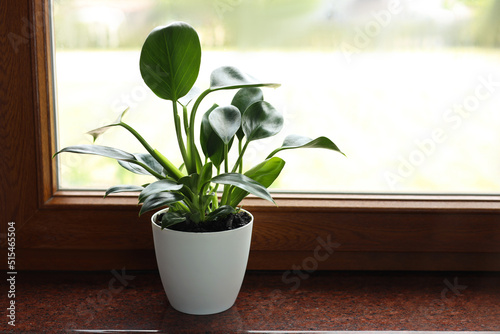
[408, 89]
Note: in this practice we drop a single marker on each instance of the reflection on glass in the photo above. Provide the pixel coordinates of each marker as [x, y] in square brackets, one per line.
[408, 89]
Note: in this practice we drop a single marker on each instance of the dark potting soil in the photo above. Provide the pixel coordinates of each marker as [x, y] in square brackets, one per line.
[230, 222]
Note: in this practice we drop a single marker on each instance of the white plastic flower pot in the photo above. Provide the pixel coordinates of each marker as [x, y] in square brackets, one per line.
[202, 273]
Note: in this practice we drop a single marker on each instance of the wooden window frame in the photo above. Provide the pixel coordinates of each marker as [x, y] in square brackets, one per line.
[78, 230]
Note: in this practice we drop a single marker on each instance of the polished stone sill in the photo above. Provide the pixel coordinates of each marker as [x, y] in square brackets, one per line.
[269, 302]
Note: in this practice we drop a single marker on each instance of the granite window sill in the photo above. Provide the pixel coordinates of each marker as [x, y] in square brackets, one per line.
[121, 301]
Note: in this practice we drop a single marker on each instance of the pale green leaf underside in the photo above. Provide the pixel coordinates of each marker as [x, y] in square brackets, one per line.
[296, 141]
[229, 77]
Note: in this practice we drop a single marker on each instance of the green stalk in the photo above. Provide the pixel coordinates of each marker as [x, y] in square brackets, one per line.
[185, 119]
[172, 171]
[228, 200]
[151, 171]
[197, 159]
[226, 162]
[178, 131]
[185, 207]
[239, 162]
[196, 105]
[191, 144]
[170, 167]
[239, 151]
[225, 193]
[190, 204]
[215, 201]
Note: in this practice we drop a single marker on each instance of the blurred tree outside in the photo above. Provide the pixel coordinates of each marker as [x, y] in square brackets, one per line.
[122, 24]
[379, 75]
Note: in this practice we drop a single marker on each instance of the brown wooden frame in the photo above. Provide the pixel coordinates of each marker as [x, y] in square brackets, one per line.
[67, 230]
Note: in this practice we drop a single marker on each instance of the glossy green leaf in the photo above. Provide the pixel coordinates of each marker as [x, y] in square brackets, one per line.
[211, 144]
[159, 186]
[265, 173]
[195, 217]
[122, 188]
[191, 182]
[108, 152]
[261, 120]
[245, 183]
[228, 77]
[206, 200]
[171, 218]
[220, 212]
[170, 60]
[205, 176]
[148, 160]
[159, 200]
[103, 151]
[296, 141]
[243, 99]
[225, 121]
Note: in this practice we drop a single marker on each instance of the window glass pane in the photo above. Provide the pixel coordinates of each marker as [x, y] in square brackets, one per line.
[408, 89]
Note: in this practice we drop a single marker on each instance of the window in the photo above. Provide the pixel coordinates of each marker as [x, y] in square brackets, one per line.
[79, 230]
[408, 90]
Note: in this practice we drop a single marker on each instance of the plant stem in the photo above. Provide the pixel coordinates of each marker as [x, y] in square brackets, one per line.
[172, 171]
[151, 171]
[226, 170]
[190, 204]
[239, 162]
[239, 151]
[184, 207]
[180, 140]
[185, 119]
[215, 201]
[225, 195]
[226, 162]
[191, 144]
[176, 173]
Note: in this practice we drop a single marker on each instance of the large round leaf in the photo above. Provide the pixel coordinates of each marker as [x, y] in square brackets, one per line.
[225, 121]
[261, 120]
[170, 60]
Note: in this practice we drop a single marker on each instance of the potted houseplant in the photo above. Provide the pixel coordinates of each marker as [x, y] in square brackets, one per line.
[202, 240]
